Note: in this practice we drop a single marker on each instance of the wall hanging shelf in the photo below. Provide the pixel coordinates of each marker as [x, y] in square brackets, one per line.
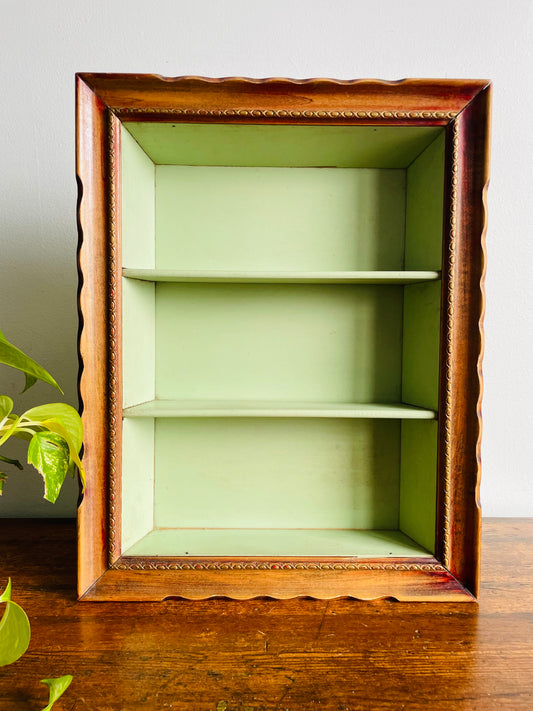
[281, 294]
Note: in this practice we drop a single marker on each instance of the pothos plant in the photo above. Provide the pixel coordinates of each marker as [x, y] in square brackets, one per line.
[54, 434]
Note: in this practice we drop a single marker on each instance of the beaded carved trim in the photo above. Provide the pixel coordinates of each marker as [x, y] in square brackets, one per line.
[142, 564]
[284, 113]
[113, 343]
[112, 355]
[449, 350]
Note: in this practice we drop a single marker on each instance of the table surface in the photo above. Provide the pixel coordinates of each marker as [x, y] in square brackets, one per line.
[267, 655]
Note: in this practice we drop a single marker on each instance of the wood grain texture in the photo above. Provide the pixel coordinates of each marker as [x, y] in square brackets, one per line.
[265, 655]
[93, 217]
[125, 583]
[148, 97]
[462, 341]
[460, 105]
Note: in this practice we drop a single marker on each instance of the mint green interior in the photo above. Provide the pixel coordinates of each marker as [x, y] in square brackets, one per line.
[281, 311]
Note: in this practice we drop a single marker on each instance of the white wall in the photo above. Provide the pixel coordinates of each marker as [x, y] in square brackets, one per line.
[42, 45]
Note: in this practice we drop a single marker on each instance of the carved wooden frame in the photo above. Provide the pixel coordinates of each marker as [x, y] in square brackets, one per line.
[463, 107]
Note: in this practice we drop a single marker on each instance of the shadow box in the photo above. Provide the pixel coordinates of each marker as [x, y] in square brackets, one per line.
[281, 301]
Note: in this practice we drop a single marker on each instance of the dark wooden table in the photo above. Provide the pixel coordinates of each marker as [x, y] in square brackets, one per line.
[265, 655]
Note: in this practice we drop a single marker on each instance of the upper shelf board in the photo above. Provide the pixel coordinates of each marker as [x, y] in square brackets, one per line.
[236, 277]
[255, 408]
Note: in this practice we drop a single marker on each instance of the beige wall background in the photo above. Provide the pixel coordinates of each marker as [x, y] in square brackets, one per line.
[42, 45]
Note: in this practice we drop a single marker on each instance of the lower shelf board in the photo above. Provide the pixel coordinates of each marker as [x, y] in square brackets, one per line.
[269, 543]
[266, 277]
[256, 408]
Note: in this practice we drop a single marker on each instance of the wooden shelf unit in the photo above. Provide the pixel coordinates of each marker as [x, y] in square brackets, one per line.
[279, 368]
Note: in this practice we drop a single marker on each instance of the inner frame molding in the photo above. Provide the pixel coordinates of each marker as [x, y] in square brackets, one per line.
[132, 563]
[110, 121]
[282, 114]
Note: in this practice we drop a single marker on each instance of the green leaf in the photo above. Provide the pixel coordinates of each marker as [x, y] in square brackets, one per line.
[23, 434]
[30, 380]
[6, 595]
[6, 405]
[74, 458]
[64, 421]
[15, 462]
[9, 427]
[62, 413]
[14, 630]
[57, 688]
[49, 454]
[15, 358]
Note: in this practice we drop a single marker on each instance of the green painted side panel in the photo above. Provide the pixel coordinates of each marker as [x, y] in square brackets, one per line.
[253, 542]
[424, 208]
[296, 146]
[138, 205]
[279, 218]
[262, 277]
[138, 333]
[419, 482]
[278, 342]
[420, 381]
[256, 408]
[421, 337]
[277, 473]
[137, 480]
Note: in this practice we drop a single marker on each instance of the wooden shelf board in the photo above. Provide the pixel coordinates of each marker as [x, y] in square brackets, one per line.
[329, 277]
[242, 408]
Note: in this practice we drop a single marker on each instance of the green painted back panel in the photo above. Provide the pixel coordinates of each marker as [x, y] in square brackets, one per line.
[278, 342]
[277, 473]
[418, 497]
[425, 201]
[137, 205]
[279, 218]
[291, 146]
[276, 542]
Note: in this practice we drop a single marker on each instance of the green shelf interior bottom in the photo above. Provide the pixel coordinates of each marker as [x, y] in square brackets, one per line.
[277, 543]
